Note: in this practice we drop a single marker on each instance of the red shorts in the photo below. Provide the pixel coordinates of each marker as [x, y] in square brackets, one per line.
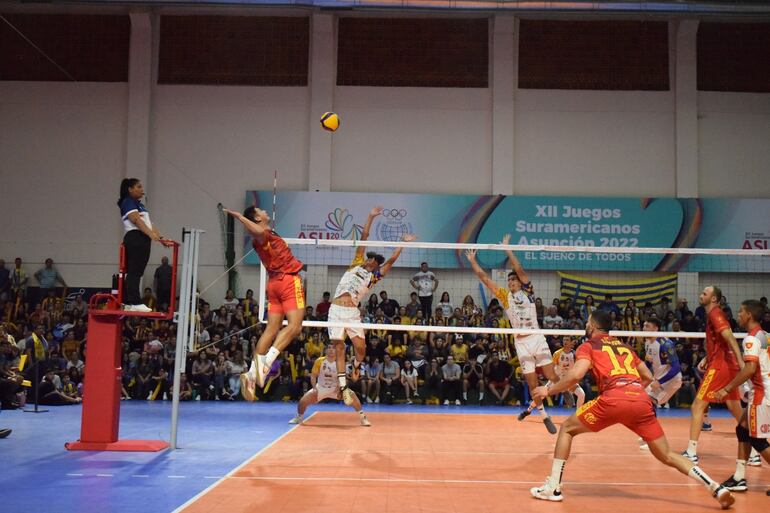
[715, 379]
[631, 408]
[284, 294]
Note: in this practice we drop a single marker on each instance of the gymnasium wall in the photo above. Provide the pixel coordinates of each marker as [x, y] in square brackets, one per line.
[63, 144]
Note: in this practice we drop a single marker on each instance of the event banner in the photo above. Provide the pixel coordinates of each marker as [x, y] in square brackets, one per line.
[530, 220]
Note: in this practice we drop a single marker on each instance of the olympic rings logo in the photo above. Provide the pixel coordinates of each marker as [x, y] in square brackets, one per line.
[394, 213]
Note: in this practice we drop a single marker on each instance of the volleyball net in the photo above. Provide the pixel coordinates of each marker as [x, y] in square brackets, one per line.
[635, 283]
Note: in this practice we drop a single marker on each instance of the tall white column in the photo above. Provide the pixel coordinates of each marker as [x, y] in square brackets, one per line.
[504, 69]
[686, 95]
[323, 70]
[139, 96]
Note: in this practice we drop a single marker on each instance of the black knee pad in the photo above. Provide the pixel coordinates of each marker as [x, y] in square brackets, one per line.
[743, 434]
[759, 444]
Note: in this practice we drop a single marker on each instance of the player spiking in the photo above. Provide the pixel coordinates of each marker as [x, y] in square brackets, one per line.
[284, 295]
[721, 365]
[753, 428]
[519, 304]
[352, 288]
[621, 378]
[323, 379]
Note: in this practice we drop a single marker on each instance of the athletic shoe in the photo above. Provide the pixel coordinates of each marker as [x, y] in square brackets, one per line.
[416, 395]
[644, 447]
[725, 498]
[368, 400]
[457, 402]
[297, 419]
[754, 461]
[547, 493]
[692, 457]
[262, 370]
[137, 308]
[550, 426]
[409, 401]
[365, 422]
[5, 432]
[706, 426]
[377, 400]
[735, 485]
[524, 414]
[348, 396]
[446, 402]
[248, 387]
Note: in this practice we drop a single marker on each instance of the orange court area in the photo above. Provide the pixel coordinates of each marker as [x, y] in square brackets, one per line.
[467, 463]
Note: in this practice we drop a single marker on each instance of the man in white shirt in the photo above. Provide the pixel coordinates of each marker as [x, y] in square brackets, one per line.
[425, 282]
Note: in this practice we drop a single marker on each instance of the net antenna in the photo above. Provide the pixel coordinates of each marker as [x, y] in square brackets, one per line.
[275, 194]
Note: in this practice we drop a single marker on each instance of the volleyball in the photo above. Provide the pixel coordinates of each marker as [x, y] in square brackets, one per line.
[330, 121]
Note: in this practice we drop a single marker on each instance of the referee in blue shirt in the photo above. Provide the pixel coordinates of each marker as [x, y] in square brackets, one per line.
[139, 234]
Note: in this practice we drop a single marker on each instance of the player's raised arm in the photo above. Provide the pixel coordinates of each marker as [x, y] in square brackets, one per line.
[409, 237]
[253, 228]
[470, 254]
[515, 264]
[367, 228]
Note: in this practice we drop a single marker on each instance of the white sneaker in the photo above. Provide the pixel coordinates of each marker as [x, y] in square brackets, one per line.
[725, 498]
[377, 400]
[457, 402]
[754, 461]
[644, 447]
[409, 401]
[262, 370]
[297, 419]
[368, 400]
[348, 396]
[547, 492]
[137, 308]
[365, 422]
[446, 402]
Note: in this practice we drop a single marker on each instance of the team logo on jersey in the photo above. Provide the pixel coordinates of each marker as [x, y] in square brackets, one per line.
[748, 345]
[765, 428]
[590, 418]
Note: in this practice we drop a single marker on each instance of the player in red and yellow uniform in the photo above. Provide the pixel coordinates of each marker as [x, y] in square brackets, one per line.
[720, 366]
[621, 378]
[284, 295]
[753, 429]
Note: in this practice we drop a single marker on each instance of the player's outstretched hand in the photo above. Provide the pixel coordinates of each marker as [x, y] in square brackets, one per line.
[539, 393]
[470, 254]
[376, 211]
[506, 239]
[409, 237]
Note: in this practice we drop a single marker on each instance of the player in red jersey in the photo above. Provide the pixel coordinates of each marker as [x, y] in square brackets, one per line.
[284, 295]
[720, 366]
[621, 378]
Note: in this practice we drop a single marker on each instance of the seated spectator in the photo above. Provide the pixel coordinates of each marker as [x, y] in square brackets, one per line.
[451, 374]
[413, 306]
[202, 373]
[75, 361]
[664, 307]
[143, 382]
[553, 321]
[221, 381]
[573, 322]
[238, 320]
[70, 345]
[370, 379]
[396, 349]
[185, 390]
[390, 375]
[230, 301]
[69, 388]
[498, 376]
[235, 367]
[389, 306]
[149, 299]
[417, 353]
[372, 305]
[322, 308]
[469, 308]
[459, 350]
[473, 376]
[445, 305]
[309, 314]
[375, 347]
[439, 347]
[433, 380]
[608, 305]
[409, 381]
[50, 395]
[314, 347]
[478, 348]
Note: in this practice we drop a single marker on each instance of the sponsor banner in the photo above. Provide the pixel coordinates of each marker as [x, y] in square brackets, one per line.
[530, 220]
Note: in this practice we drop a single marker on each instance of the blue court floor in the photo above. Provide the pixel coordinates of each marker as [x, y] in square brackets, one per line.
[39, 475]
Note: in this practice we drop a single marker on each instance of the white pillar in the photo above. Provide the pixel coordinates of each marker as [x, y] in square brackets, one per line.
[139, 96]
[686, 98]
[504, 70]
[323, 71]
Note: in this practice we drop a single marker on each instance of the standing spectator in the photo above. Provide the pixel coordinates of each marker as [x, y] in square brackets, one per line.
[499, 375]
[409, 380]
[47, 277]
[322, 308]
[608, 305]
[162, 278]
[5, 282]
[445, 304]
[139, 233]
[389, 306]
[19, 281]
[390, 375]
[425, 282]
[473, 376]
[451, 373]
[230, 301]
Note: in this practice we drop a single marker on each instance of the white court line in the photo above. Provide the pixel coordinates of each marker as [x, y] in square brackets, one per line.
[177, 477]
[462, 481]
[75, 475]
[105, 475]
[140, 475]
[239, 467]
